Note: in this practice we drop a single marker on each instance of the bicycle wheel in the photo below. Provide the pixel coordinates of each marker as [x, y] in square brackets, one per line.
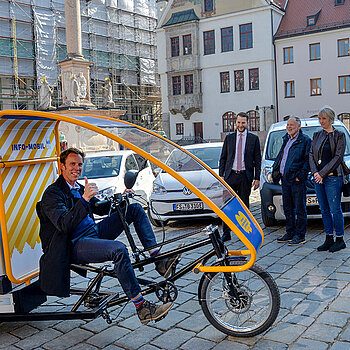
[252, 312]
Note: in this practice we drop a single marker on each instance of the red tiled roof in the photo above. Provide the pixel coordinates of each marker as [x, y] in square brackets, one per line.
[294, 22]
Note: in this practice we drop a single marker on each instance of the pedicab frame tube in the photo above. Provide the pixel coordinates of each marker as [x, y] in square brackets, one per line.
[72, 120]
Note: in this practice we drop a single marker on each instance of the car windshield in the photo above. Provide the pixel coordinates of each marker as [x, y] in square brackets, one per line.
[179, 161]
[275, 140]
[100, 167]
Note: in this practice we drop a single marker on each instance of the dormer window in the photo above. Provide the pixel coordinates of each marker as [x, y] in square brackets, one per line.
[311, 21]
[339, 2]
[208, 5]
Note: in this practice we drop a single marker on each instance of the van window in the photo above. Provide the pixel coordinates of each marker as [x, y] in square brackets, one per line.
[275, 140]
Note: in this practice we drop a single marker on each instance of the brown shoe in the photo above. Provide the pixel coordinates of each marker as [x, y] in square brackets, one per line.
[150, 311]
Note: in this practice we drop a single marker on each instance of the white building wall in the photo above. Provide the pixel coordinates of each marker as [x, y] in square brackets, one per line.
[328, 68]
[215, 103]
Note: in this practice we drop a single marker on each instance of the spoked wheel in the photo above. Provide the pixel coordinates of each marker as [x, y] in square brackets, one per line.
[254, 308]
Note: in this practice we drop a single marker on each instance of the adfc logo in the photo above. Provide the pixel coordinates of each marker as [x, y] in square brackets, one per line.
[244, 222]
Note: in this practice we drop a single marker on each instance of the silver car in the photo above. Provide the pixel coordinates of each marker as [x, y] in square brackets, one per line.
[170, 200]
[271, 194]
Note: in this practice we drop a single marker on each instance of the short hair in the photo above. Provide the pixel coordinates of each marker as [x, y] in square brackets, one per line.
[297, 119]
[68, 151]
[244, 115]
[328, 111]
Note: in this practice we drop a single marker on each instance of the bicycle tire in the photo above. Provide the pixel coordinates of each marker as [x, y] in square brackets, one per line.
[260, 298]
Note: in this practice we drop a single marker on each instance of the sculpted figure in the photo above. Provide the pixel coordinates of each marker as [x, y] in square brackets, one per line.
[45, 93]
[108, 95]
[83, 85]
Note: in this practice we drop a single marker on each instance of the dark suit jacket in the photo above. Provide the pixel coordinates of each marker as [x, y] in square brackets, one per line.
[252, 156]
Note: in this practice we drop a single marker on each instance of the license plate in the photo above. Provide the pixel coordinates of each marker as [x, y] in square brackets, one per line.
[188, 206]
[311, 200]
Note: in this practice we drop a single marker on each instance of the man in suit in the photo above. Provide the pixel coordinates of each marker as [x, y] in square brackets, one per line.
[240, 163]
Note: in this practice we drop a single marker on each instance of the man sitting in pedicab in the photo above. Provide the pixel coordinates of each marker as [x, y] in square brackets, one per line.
[69, 234]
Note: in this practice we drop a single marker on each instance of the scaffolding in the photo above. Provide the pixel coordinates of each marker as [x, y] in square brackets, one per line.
[118, 37]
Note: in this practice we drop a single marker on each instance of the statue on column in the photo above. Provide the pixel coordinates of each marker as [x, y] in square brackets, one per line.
[83, 85]
[73, 92]
[108, 94]
[44, 96]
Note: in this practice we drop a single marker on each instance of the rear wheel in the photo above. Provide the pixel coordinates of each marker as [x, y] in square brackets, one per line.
[268, 221]
[252, 312]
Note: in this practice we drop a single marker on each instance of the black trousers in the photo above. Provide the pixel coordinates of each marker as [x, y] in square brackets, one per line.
[242, 187]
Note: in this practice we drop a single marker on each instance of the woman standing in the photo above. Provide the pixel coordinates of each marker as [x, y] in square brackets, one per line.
[326, 160]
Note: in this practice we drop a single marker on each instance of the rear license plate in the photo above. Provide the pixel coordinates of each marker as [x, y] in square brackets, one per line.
[311, 201]
[188, 206]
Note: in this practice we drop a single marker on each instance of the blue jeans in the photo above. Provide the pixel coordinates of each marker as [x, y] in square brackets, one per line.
[103, 247]
[294, 205]
[329, 198]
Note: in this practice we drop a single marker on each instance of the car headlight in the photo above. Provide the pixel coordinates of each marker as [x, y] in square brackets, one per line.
[159, 189]
[107, 192]
[268, 175]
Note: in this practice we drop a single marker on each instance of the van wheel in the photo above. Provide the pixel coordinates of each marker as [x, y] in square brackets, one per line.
[266, 219]
[154, 222]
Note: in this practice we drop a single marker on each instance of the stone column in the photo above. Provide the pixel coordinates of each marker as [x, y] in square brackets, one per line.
[73, 29]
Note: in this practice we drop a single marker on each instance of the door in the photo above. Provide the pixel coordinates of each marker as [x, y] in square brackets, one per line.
[198, 129]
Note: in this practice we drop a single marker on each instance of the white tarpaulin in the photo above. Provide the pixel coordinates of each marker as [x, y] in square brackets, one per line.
[147, 68]
[46, 63]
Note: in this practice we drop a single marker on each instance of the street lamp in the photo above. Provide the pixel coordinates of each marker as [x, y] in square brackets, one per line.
[264, 108]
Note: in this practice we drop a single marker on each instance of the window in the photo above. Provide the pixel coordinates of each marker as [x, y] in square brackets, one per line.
[177, 85]
[254, 120]
[344, 84]
[315, 52]
[187, 44]
[179, 128]
[239, 80]
[208, 5]
[209, 42]
[343, 47]
[254, 79]
[175, 48]
[246, 36]
[226, 39]
[225, 81]
[228, 122]
[289, 89]
[345, 118]
[311, 21]
[339, 2]
[315, 87]
[189, 84]
[288, 56]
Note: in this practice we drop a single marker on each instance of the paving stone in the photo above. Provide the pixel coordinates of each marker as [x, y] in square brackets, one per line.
[301, 287]
[212, 333]
[38, 339]
[340, 304]
[198, 343]
[298, 319]
[308, 344]
[137, 338]
[230, 344]
[173, 338]
[68, 340]
[345, 292]
[339, 345]
[346, 334]
[321, 293]
[107, 336]
[148, 347]
[96, 325]
[325, 271]
[340, 276]
[310, 308]
[68, 325]
[294, 274]
[189, 306]
[24, 331]
[7, 339]
[195, 322]
[114, 347]
[322, 332]
[334, 318]
[83, 346]
[285, 332]
[269, 345]
[171, 319]
[132, 323]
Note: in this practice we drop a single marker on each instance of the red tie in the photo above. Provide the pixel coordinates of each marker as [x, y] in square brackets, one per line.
[239, 153]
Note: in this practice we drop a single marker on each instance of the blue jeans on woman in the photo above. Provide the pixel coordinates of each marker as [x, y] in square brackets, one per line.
[103, 247]
[329, 198]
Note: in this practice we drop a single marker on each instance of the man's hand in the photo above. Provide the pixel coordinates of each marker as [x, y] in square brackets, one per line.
[318, 178]
[255, 184]
[91, 190]
[129, 190]
[296, 179]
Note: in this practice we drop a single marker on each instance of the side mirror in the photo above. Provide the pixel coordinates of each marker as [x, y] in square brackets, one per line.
[130, 178]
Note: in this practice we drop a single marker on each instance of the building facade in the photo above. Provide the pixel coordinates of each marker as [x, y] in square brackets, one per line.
[313, 58]
[216, 58]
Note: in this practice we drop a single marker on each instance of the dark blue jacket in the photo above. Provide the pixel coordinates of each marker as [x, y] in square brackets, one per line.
[297, 164]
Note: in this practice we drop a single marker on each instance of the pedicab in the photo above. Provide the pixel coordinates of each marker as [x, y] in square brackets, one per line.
[237, 296]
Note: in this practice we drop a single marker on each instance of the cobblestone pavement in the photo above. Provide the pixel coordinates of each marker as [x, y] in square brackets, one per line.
[315, 306]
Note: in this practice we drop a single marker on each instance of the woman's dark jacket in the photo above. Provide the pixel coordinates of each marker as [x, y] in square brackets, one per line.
[337, 143]
[59, 213]
[297, 165]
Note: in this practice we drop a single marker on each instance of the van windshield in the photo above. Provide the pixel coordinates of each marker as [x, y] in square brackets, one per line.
[275, 140]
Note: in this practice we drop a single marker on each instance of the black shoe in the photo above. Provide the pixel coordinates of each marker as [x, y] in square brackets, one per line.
[297, 240]
[337, 245]
[163, 267]
[286, 238]
[327, 244]
[149, 311]
[226, 237]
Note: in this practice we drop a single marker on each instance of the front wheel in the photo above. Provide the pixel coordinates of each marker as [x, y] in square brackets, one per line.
[254, 308]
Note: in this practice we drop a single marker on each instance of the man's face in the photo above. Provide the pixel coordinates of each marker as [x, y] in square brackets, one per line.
[241, 123]
[71, 171]
[292, 127]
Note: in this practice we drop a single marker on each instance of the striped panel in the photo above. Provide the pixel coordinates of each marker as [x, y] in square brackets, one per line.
[23, 187]
[26, 139]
